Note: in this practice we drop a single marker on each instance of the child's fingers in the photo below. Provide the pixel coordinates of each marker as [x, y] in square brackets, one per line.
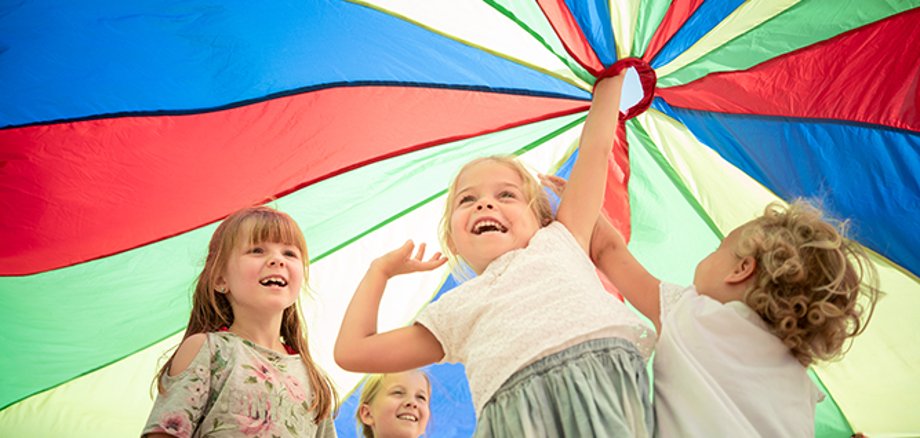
[405, 251]
[420, 254]
[434, 262]
[557, 180]
[554, 183]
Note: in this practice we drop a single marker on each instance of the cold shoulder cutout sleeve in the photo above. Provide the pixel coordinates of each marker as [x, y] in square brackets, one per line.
[179, 408]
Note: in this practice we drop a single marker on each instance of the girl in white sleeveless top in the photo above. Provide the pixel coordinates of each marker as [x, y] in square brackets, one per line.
[548, 352]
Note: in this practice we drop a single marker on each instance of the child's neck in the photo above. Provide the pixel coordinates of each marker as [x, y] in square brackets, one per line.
[481, 265]
[262, 333]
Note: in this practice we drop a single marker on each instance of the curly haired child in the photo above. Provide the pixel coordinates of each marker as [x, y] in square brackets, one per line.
[780, 292]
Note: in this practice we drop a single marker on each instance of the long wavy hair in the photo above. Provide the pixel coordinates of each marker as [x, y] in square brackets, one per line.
[211, 310]
[535, 196]
[814, 287]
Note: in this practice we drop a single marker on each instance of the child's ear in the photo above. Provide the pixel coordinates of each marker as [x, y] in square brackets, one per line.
[220, 285]
[742, 271]
[365, 412]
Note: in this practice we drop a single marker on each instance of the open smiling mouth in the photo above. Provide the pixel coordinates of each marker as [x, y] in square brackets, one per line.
[488, 226]
[408, 417]
[273, 281]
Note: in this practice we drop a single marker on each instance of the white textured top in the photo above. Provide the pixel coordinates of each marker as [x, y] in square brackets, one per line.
[720, 372]
[528, 303]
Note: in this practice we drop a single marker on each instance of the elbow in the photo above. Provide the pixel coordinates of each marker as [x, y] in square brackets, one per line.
[347, 358]
[342, 358]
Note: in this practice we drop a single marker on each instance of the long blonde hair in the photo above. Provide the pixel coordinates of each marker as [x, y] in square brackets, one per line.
[211, 310]
[535, 196]
[372, 387]
[814, 287]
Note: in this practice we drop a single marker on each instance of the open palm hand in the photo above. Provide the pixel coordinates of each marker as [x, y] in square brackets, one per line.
[401, 261]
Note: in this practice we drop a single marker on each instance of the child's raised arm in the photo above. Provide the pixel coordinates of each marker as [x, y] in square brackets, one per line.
[359, 347]
[584, 193]
[612, 257]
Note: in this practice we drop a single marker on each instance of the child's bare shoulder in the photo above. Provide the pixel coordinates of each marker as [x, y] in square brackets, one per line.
[187, 352]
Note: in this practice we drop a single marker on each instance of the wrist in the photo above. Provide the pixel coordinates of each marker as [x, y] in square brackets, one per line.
[379, 269]
[609, 81]
[606, 88]
[647, 78]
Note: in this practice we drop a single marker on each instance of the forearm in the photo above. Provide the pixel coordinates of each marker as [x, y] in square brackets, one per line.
[613, 259]
[601, 123]
[360, 322]
[584, 194]
[599, 133]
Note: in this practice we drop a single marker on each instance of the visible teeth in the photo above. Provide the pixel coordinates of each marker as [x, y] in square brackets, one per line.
[487, 226]
[407, 417]
[273, 281]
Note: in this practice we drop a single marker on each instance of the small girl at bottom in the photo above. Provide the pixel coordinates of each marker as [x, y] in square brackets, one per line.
[780, 292]
[547, 351]
[244, 368]
[395, 405]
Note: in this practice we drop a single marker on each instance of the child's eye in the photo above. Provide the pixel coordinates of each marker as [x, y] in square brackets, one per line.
[507, 194]
[256, 250]
[465, 199]
[423, 398]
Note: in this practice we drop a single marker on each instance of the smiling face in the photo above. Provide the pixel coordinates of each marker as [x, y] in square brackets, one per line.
[262, 277]
[400, 407]
[491, 213]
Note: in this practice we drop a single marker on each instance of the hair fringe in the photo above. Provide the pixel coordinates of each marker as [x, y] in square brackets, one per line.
[211, 310]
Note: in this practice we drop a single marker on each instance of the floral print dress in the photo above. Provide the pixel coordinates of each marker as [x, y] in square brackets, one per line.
[235, 388]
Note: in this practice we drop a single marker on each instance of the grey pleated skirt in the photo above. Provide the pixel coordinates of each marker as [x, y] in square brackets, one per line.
[598, 388]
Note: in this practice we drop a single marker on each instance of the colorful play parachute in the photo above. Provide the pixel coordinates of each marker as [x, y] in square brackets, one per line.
[128, 129]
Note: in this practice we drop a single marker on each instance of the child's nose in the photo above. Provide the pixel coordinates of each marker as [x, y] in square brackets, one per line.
[276, 261]
[486, 205]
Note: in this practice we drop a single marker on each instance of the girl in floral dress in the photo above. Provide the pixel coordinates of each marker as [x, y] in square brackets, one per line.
[244, 368]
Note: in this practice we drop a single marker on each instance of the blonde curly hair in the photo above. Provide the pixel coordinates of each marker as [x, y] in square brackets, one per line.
[533, 191]
[814, 287]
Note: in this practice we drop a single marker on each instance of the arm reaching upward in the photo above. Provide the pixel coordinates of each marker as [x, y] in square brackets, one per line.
[611, 256]
[584, 194]
[359, 347]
